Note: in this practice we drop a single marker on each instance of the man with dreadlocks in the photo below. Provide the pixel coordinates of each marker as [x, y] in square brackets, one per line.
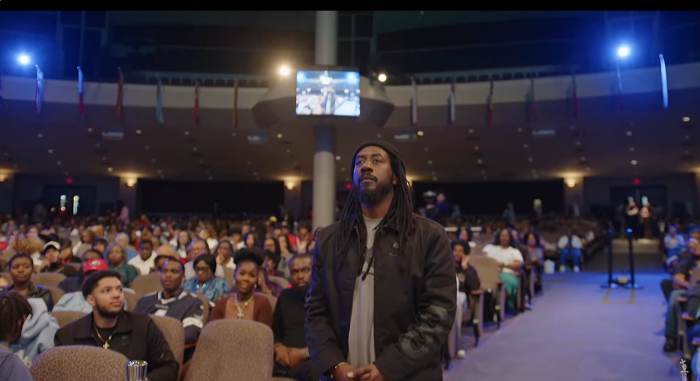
[383, 291]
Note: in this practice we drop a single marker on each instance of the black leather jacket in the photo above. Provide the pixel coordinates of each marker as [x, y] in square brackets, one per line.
[414, 301]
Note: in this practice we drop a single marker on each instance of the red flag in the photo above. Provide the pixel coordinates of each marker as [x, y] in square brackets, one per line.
[120, 93]
[574, 94]
[196, 102]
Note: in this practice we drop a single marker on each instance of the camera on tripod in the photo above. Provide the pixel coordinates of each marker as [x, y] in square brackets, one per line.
[429, 197]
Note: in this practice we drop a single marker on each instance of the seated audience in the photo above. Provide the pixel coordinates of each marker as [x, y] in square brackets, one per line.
[271, 263]
[570, 244]
[75, 283]
[75, 300]
[197, 248]
[291, 355]
[674, 244]
[510, 259]
[53, 262]
[144, 261]
[109, 326]
[680, 281]
[467, 277]
[224, 254]
[12, 368]
[115, 256]
[21, 269]
[174, 302]
[123, 240]
[206, 283]
[27, 327]
[244, 303]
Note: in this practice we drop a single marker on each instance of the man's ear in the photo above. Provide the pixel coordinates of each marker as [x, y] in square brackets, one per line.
[394, 180]
[91, 300]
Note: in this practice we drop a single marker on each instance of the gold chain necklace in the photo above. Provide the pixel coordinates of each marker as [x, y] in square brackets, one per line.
[106, 342]
[241, 309]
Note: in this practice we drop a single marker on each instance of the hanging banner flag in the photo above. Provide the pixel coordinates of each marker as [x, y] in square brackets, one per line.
[196, 102]
[414, 102]
[39, 95]
[235, 103]
[120, 94]
[619, 89]
[490, 110]
[664, 81]
[452, 102]
[533, 100]
[81, 90]
[574, 94]
[159, 102]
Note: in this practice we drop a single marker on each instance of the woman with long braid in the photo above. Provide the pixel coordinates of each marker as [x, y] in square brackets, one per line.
[383, 292]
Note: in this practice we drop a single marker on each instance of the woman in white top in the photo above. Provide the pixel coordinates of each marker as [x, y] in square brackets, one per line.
[674, 245]
[510, 259]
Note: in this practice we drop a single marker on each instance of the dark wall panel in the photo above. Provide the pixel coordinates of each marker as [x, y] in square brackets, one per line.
[492, 197]
[195, 197]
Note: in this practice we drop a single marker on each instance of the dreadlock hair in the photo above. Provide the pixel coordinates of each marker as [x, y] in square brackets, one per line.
[399, 216]
[14, 308]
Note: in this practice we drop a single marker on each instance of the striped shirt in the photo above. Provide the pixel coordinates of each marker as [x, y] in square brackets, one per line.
[185, 307]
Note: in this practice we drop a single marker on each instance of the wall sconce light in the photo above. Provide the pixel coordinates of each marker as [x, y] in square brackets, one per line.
[571, 183]
[130, 182]
[2, 177]
[289, 185]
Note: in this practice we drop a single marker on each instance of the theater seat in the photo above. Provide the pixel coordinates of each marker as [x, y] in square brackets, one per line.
[232, 349]
[66, 317]
[146, 284]
[489, 274]
[174, 334]
[56, 293]
[279, 280]
[72, 363]
[48, 280]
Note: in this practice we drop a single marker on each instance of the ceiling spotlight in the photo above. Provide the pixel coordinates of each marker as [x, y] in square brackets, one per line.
[419, 133]
[24, 59]
[284, 70]
[337, 158]
[90, 129]
[434, 178]
[110, 169]
[430, 162]
[138, 132]
[631, 149]
[634, 162]
[426, 149]
[58, 163]
[40, 136]
[623, 51]
[148, 147]
[187, 133]
[476, 148]
[525, 146]
[50, 150]
[479, 161]
[249, 162]
[381, 77]
[686, 119]
[529, 159]
[255, 173]
[628, 133]
[279, 136]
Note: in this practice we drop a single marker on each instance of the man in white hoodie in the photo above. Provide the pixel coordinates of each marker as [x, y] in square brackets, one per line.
[38, 327]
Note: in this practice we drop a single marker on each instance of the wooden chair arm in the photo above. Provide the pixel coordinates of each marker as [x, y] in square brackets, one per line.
[478, 292]
[682, 299]
[528, 267]
[696, 342]
[686, 317]
[189, 346]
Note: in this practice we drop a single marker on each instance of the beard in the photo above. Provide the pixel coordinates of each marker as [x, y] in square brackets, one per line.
[106, 314]
[372, 196]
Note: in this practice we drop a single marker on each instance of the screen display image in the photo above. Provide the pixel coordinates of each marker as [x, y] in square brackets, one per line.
[325, 92]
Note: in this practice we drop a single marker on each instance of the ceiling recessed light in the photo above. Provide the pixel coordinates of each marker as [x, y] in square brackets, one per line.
[583, 158]
[434, 178]
[89, 129]
[430, 162]
[110, 169]
[104, 158]
[187, 133]
[379, 136]
[426, 149]
[534, 171]
[40, 136]
[153, 160]
[201, 162]
[347, 179]
[97, 145]
[194, 148]
[588, 169]
[160, 171]
[687, 137]
[432, 173]
[686, 119]
[290, 151]
[58, 163]
[476, 148]
[628, 133]
[470, 131]
[233, 134]
[479, 161]
[520, 129]
[211, 178]
[631, 149]
[525, 146]
[255, 173]
[634, 162]
[572, 127]
[342, 169]
[50, 150]
[337, 158]
[148, 147]
[249, 162]
[65, 173]
[138, 132]
[483, 172]
[420, 133]
[578, 143]
[279, 136]
[529, 159]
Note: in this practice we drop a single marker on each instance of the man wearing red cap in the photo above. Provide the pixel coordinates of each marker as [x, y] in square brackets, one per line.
[75, 301]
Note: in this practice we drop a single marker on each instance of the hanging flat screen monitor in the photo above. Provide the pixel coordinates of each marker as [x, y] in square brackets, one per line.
[328, 92]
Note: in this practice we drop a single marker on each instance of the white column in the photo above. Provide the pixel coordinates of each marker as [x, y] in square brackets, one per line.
[324, 184]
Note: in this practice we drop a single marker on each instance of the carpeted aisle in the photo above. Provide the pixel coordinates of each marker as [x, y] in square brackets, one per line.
[577, 332]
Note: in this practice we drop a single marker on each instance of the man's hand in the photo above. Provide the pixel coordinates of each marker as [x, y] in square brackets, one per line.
[368, 373]
[282, 355]
[345, 372]
[297, 357]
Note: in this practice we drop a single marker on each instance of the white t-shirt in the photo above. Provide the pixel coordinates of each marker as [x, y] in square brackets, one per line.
[505, 256]
[143, 266]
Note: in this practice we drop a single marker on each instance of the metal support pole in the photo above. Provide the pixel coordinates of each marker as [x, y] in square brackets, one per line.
[632, 285]
[609, 243]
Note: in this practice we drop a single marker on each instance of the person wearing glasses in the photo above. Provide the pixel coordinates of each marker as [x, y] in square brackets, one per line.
[205, 282]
